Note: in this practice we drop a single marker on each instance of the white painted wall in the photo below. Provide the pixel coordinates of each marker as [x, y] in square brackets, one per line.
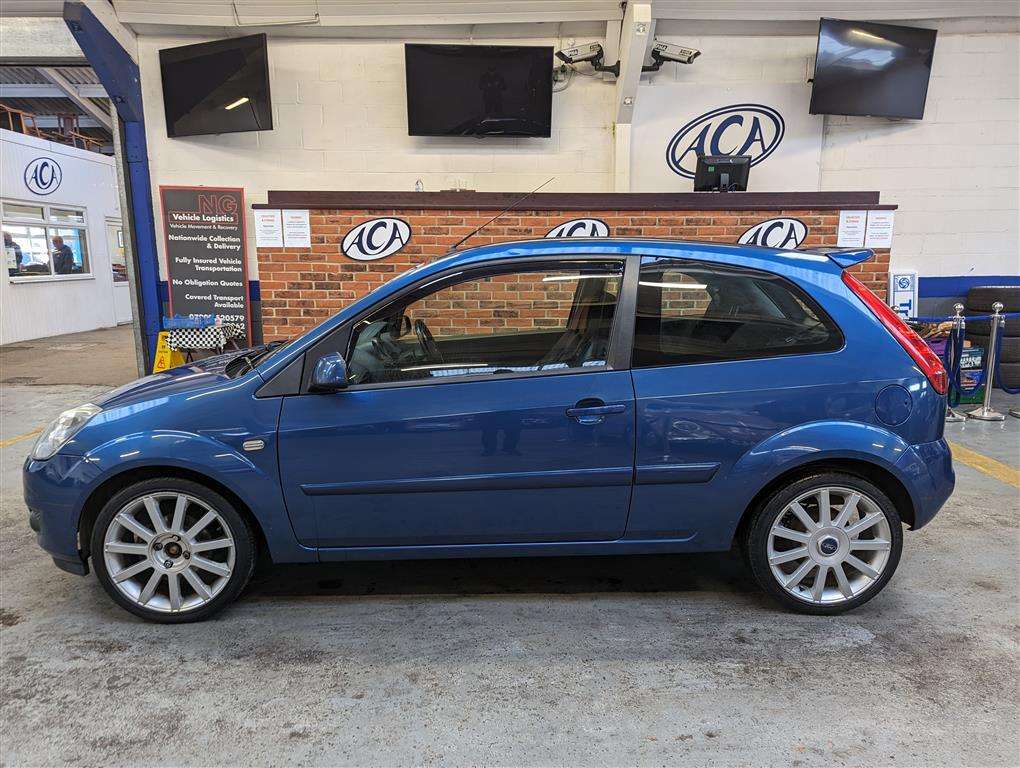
[339, 116]
[32, 309]
[340, 124]
[955, 175]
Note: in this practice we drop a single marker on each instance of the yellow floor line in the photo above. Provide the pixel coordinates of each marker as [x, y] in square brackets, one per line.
[982, 463]
[19, 438]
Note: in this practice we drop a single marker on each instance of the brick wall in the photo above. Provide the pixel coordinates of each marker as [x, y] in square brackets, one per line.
[301, 287]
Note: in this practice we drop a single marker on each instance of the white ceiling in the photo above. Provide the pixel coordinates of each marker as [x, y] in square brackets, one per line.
[152, 15]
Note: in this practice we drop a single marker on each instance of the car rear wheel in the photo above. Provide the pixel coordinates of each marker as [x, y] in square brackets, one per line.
[825, 544]
[171, 550]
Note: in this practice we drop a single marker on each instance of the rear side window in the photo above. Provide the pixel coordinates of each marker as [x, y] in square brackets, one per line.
[689, 312]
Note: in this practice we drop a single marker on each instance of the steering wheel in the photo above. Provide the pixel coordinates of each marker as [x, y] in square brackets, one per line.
[427, 341]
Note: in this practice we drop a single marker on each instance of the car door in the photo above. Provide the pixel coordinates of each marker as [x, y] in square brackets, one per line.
[723, 358]
[483, 408]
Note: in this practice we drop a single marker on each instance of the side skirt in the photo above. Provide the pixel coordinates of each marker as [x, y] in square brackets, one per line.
[540, 549]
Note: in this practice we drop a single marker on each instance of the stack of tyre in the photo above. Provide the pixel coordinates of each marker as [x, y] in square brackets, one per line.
[979, 302]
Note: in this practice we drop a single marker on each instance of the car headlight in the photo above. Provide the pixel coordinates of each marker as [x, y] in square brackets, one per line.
[62, 429]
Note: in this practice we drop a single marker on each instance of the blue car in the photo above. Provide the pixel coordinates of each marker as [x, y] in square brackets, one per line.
[554, 397]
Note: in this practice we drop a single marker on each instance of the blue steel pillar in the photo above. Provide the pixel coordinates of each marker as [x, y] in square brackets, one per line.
[118, 73]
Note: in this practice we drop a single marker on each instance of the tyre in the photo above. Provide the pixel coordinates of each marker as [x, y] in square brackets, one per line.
[1010, 346]
[172, 550]
[1010, 375]
[981, 298]
[825, 544]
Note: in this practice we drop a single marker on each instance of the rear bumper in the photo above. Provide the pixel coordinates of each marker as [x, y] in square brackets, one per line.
[927, 471]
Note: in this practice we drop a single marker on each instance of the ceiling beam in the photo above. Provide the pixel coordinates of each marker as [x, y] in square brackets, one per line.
[71, 92]
[48, 90]
[359, 13]
[637, 25]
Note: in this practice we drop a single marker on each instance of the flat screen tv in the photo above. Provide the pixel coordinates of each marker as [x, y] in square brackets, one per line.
[217, 87]
[868, 69]
[478, 90]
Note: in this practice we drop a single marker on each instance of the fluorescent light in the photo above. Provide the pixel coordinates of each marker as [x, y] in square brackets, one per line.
[239, 102]
[568, 278]
[681, 286]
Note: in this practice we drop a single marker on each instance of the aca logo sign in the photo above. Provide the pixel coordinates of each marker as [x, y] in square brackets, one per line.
[43, 176]
[776, 233]
[739, 129]
[376, 239]
[580, 228]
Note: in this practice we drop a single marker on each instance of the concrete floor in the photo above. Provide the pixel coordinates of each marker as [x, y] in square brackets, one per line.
[625, 660]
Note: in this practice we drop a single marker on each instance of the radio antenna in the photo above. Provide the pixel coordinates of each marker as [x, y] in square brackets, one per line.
[509, 208]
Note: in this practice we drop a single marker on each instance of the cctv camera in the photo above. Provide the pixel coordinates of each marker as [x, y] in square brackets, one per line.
[669, 52]
[579, 53]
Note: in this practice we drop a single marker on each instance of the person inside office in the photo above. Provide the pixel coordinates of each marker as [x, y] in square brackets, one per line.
[63, 257]
[14, 255]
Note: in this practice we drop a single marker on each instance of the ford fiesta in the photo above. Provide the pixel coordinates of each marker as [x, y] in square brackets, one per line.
[558, 397]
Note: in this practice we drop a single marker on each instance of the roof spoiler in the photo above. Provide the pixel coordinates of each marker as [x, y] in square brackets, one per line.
[846, 257]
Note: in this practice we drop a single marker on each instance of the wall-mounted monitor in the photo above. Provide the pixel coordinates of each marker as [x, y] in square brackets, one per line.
[217, 87]
[867, 69]
[478, 90]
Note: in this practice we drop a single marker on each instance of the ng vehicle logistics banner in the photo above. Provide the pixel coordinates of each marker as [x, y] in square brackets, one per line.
[204, 238]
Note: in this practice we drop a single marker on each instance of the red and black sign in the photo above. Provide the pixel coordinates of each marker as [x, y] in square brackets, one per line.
[204, 238]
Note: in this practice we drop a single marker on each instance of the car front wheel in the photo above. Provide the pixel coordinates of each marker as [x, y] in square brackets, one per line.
[825, 544]
[171, 550]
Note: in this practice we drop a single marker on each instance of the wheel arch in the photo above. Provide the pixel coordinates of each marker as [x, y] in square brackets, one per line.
[871, 471]
[112, 485]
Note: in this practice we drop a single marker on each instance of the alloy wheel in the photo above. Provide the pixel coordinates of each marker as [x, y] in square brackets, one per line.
[169, 552]
[829, 545]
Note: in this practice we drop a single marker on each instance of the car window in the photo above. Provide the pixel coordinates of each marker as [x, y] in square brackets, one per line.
[507, 322]
[696, 313]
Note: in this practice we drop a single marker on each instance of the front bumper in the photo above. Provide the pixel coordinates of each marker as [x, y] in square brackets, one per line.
[927, 471]
[55, 493]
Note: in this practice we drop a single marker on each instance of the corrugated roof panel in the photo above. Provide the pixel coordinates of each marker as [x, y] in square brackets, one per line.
[79, 75]
[21, 76]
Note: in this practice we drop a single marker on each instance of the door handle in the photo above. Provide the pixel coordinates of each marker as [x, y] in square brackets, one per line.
[593, 411]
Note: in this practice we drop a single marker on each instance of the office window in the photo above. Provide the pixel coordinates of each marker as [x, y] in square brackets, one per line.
[690, 312]
[42, 241]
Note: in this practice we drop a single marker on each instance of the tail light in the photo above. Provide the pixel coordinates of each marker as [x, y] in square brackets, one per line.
[926, 359]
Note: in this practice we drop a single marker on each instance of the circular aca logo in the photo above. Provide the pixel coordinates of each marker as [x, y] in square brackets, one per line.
[580, 228]
[376, 239]
[776, 233]
[738, 129]
[43, 176]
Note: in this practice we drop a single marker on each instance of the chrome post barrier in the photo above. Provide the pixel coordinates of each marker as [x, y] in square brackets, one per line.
[986, 412]
[952, 415]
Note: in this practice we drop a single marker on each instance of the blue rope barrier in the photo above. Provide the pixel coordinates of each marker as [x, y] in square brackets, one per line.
[952, 357]
[968, 318]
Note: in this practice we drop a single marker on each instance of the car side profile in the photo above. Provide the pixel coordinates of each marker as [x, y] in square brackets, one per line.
[554, 397]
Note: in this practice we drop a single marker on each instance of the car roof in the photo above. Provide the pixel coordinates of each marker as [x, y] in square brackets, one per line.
[734, 253]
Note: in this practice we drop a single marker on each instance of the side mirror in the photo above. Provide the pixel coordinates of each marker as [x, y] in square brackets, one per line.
[330, 373]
